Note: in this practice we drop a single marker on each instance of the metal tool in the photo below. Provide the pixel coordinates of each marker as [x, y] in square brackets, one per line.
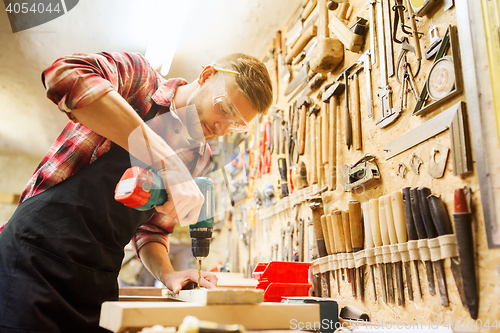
[339, 237]
[362, 172]
[383, 213]
[377, 240]
[371, 8]
[412, 235]
[422, 234]
[303, 104]
[282, 158]
[298, 79]
[442, 223]
[453, 119]
[437, 162]
[348, 124]
[393, 238]
[365, 207]
[430, 227]
[357, 142]
[389, 57]
[367, 67]
[348, 245]
[316, 205]
[415, 163]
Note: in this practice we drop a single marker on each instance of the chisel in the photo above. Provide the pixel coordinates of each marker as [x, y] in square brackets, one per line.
[422, 234]
[412, 233]
[377, 240]
[443, 225]
[316, 205]
[348, 245]
[430, 227]
[463, 230]
[400, 225]
[356, 222]
[365, 207]
[339, 233]
[336, 220]
[333, 245]
[391, 227]
[384, 232]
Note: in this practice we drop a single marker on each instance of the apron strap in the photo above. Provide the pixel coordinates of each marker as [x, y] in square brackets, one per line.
[152, 112]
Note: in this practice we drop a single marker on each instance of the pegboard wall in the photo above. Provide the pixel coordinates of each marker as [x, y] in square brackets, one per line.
[281, 228]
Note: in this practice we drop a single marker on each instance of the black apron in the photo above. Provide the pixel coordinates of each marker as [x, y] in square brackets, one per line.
[61, 251]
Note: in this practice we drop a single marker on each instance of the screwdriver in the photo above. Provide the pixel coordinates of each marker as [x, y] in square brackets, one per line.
[365, 207]
[377, 240]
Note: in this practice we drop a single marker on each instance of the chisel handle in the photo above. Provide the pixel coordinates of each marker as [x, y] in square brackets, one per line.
[331, 234]
[326, 235]
[417, 215]
[382, 220]
[410, 225]
[439, 215]
[365, 207]
[356, 223]
[375, 227]
[389, 217]
[339, 234]
[423, 193]
[399, 216]
[347, 231]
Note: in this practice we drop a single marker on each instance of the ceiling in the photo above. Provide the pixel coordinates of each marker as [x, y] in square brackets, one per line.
[213, 28]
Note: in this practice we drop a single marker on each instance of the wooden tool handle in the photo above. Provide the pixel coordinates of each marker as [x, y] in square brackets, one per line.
[312, 140]
[326, 235]
[302, 129]
[423, 193]
[299, 45]
[339, 234]
[348, 127]
[331, 233]
[319, 165]
[347, 231]
[332, 161]
[323, 20]
[308, 9]
[316, 205]
[356, 222]
[439, 215]
[324, 134]
[303, 174]
[374, 216]
[382, 222]
[277, 43]
[399, 216]
[356, 114]
[342, 11]
[417, 214]
[389, 217]
[365, 207]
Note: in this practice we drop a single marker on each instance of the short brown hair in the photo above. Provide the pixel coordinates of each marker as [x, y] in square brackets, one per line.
[253, 81]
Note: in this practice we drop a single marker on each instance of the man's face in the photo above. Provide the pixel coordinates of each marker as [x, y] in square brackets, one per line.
[210, 119]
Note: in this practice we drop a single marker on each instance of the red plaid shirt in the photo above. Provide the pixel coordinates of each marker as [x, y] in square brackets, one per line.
[75, 81]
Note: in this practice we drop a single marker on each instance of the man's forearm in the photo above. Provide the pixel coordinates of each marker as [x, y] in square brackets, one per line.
[155, 258]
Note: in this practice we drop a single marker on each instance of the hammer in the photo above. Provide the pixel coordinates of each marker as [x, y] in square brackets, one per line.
[334, 91]
[303, 103]
[329, 52]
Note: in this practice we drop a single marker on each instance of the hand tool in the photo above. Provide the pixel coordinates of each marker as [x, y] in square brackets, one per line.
[293, 149]
[325, 137]
[308, 9]
[443, 225]
[301, 77]
[400, 225]
[333, 246]
[353, 38]
[356, 224]
[415, 163]
[303, 173]
[329, 52]
[423, 193]
[316, 205]
[339, 236]
[412, 232]
[437, 166]
[310, 86]
[384, 232]
[297, 181]
[348, 125]
[299, 45]
[312, 139]
[326, 235]
[303, 103]
[282, 167]
[399, 9]
[317, 141]
[305, 52]
[268, 143]
[301, 240]
[348, 245]
[144, 189]
[393, 238]
[365, 207]
[362, 172]
[386, 7]
[332, 94]
[463, 230]
[371, 8]
[191, 324]
[435, 43]
[364, 59]
[377, 240]
[422, 7]
[453, 119]
[422, 234]
[278, 58]
[356, 110]
[286, 74]
[388, 114]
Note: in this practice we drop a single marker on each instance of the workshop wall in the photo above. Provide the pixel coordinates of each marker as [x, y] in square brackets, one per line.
[276, 221]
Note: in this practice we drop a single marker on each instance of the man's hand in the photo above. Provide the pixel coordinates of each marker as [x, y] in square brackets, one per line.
[185, 199]
[178, 279]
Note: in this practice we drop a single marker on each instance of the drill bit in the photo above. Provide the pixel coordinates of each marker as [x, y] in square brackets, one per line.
[199, 274]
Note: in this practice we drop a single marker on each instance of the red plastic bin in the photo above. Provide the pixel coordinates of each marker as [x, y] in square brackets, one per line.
[279, 279]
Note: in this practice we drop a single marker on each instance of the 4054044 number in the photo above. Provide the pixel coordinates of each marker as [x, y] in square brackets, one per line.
[25, 8]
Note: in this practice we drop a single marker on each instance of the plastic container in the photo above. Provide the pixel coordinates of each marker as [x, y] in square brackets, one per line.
[279, 279]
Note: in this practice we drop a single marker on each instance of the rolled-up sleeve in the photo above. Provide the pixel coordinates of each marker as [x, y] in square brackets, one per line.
[73, 82]
[157, 229]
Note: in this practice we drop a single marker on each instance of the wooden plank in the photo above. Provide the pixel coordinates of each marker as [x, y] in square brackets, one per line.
[140, 291]
[218, 296]
[122, 316]
[9, 198]
[128, 298]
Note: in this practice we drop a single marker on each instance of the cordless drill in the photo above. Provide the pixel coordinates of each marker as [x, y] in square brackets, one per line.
[144, 189]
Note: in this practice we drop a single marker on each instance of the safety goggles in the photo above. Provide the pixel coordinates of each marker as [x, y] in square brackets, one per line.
[224, 108]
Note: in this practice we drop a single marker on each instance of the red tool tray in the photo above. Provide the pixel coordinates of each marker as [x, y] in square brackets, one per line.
[279, 278]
